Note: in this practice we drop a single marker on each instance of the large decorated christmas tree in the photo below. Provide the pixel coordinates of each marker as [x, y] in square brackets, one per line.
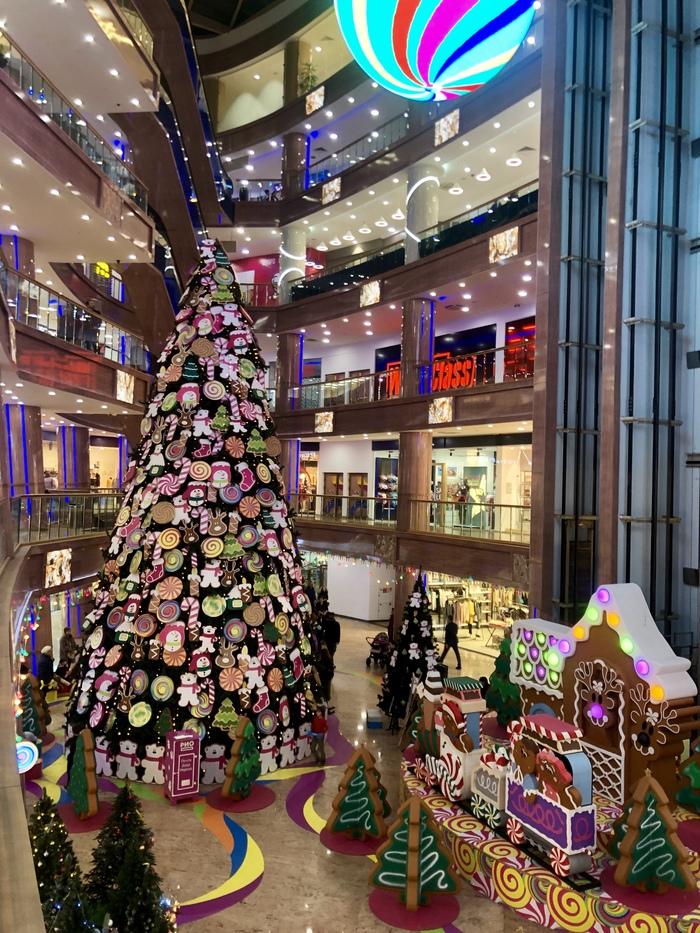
[414, 655]
[200, 604]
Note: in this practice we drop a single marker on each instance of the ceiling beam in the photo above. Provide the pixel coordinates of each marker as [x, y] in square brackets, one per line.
[235, 14]
[204, 22]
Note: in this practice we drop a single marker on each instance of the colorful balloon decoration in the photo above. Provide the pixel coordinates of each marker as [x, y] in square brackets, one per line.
[433, 49]
[27, 756]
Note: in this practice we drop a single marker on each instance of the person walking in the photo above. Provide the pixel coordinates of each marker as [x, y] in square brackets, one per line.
[319, 728]
[326, 670]
[331, 632]
[451, 641]
[44, 668]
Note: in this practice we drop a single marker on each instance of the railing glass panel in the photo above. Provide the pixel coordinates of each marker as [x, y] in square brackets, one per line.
[52, 517]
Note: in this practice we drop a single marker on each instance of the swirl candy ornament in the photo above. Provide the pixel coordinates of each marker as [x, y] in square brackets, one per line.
[433, 49]
[570, 910]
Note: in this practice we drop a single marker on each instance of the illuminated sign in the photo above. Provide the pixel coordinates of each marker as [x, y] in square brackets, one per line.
[330, 191]
[504, 245]
[447, 128]
[447, 373]
[58, 567]
[102, 268]
[125, 387]
[370, 294]
[428, 50]
[315, 99]
[440, 411]
[323, 422]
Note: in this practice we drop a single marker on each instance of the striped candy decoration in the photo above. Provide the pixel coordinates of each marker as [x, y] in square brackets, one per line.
[433, 49]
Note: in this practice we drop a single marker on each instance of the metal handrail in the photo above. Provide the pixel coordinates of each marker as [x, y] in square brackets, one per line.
[137, 25]
[58, 110]
[49, 312]
[357, 510]
[259, 295]
[61, 514]
[511, 363]
[486, 520]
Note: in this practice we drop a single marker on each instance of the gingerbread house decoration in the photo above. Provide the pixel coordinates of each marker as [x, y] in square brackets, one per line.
[616, 678]
[461, 698]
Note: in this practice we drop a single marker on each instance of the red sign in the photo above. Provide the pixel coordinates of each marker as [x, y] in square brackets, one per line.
[181, 765]
[448, 373]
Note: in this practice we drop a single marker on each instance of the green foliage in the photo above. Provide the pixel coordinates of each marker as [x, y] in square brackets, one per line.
[136, 905]
[414, 655]
[227, 718]
[503, 695]
[165, 722]
[66, 914]
[308, 79]
[246, 768]
[688, 794]
[123, 825]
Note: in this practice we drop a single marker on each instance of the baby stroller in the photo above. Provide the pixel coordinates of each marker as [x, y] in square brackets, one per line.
[379, 649]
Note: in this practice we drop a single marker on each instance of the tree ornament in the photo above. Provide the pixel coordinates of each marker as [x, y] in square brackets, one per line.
[243, 767]
[503, 695]
[358, 810]
[82, 777]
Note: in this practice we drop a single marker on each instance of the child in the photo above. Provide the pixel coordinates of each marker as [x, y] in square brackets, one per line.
[319, 727]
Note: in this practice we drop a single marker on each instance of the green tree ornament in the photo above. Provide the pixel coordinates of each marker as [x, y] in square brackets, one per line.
[688, 795]
[243, 767]
[358, 808]
[503, 695]
[226, 718]
[82, 779]
[165, 723]
[413, 861]
[50, 845]
[652, 857]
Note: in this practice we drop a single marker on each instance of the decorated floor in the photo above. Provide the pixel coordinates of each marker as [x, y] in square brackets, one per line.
[270, 870]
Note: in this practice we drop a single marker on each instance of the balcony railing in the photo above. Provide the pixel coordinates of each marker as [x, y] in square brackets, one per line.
[350, 272]
[255, 189]
[512, 363]
[52, 517]
[137, 25]
[49, 312]
[259, 296]
[353, 510]
[507, 209]
[491, 522]
[56, 108]
[375, 141]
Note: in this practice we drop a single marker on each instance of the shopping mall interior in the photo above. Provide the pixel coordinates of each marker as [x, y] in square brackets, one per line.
[475, 307]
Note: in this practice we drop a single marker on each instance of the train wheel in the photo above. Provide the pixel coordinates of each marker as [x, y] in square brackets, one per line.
[515, 831]
[560, 862]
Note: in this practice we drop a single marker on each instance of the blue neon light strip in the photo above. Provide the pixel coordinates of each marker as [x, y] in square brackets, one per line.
[25, 455]
[65, 459]
[75, 458]
[9, 450]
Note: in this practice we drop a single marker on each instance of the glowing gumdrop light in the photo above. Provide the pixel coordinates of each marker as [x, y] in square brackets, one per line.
[627, 645]
[604, 595]
[657, 692]
[428, 50]
[592, 614]
[642, 668]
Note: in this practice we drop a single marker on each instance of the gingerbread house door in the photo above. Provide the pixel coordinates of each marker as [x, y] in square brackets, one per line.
[599, 702]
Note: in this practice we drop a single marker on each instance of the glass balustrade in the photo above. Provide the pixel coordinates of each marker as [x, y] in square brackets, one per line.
[59, 111]
[259, 296]
[491, 522]
[357, 269]
[514, 362]
[64, 515]
[359, 510]
[137, 25]
[49, 312]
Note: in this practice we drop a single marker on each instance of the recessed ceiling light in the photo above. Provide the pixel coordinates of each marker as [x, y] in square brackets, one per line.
[100, 118]
[371, 192]
[317, 48]
[438, 159]
[245, 252]
[395, 180]
[51, 392]
[433, 294]
[327, 213]
[393, 307]
[368, 314]
[103, 406]
[114, 72]
[493, 274]
[55, 192]
[528, 262]
[530, 40]
[492, 149]
[132, 256]
[273, 143]
[326, 340]
[14, 228]
[135, 101]
[497, 125]
[327, 333]
[374, 113]
[6, 207]
[465, 142]
[79, 411]
[467, 296]
[79, 401]
[302, 330]
[248, 239]
[333, 135]
[307, 126]
[38, 271]
[329, 113]
[465, 307]
[369, 333]
[85, 217]
[250, 168]
[527, 278]
[522, 294]
[351, 100]
[17, 161]
[367, 323]
[345, 320]
[110, 239]
[49, 282]
[80, 257]
[20, 385]
[89, 38]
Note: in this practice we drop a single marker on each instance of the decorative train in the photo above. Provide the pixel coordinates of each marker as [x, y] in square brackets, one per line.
[540, 786]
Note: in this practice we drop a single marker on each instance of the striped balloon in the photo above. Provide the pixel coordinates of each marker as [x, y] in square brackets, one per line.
[433, 49]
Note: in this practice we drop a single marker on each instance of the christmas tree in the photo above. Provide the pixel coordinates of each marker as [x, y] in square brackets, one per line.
[652, 857]
[688, 795]
[619, 829]
[82, 780]
[137, 904]
[123, 825]
[414, 655]
[200, 600]
[67, 912]
[503, 696]
[358, 809]
[35, 716]
[414, 861]
[227, 718]
[244, 764]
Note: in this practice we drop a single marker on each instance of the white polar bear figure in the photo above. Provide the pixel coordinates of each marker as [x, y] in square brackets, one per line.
[153, 764]
[188, 690]
[287, 748]
[254, 675]
[213, 765]
[304, 741]
[127, 759]
[103, 757]
[268, 754]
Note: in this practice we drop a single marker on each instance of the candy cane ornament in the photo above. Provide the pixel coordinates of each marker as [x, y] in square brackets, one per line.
[301, 700]
[190, 605]
[266, 652]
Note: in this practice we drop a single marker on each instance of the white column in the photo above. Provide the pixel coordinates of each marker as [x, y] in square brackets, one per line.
[292, 258]
[421, 205]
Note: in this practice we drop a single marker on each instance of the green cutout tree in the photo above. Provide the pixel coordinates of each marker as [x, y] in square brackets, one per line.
[652, 857]
[413, 861]
[688, 795]
[82, 779]
[123, 824]
[358, 808]
[619, 828]
[503, 695]
[32, 707]
[243, 767]
[414, 655]
[137, 904]
[227, 718]
[165, 723]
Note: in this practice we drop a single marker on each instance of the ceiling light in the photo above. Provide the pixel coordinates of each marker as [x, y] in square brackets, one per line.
[353, 216]
[110, 239]
[55, 192]
[317, 48]
[103, 406]
[438, 159]
[326, 340]
[492, 149]
[497, 125]
[302, 330]
[114, 72]
[89, 38]
[371, 192]
[456, 189]
[381, 222]
[79, 401]
[132, 257]
[334, 242]
[329, 113]
[370, 333]
[393, 307]
[351, 100]
[79, 411]
[531, 104]
[51, 392]
[322, 247]
[530, 40]
[433, 294]
[467, 296]
[345, 320]
[333, 135]
[135, 102]
[38, 271]
[85, 217]
[527, 278]
[17, 161]
[250, 168]
[248, 239]
[395, 180]
[493, 274]
[514, 160]
[325, 229]
[307, 126]
[245, 252]
[365, 229]
[465, 142]
[273, 143]
[327, 213]
[398, 215]
[483, 175]
[100, 118]
[465, 307]
[367, 322]
[374, 113]
[14, 228]
[6, 207]
[257, 77]
[528, 262]
[349, 236]
[20, 385]
[368, 314]
[49, 282]
[327, 333]
[522, 294]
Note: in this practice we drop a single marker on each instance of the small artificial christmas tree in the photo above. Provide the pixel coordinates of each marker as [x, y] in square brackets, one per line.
[67, 912]
[414, 655]
[688, 795]
[50, 845]
[358, 809]
[227, 718]
[243, 767]
[200, 601]
[413, 861]
[123, 825]
[503, 695]
[652, 857]
[82, 779]
[137, 903]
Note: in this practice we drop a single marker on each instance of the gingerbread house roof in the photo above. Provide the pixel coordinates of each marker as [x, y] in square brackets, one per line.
[540, 649]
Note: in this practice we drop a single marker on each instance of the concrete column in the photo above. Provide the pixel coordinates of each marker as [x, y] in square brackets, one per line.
[19, 253]
[73, 458]
[25, 452]
[293, 163]
[289, 461]
[296, 54]
[290, 358]
[421, 205]
[6, 543]
[415, 460]
[292, 258]
[417, 337]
